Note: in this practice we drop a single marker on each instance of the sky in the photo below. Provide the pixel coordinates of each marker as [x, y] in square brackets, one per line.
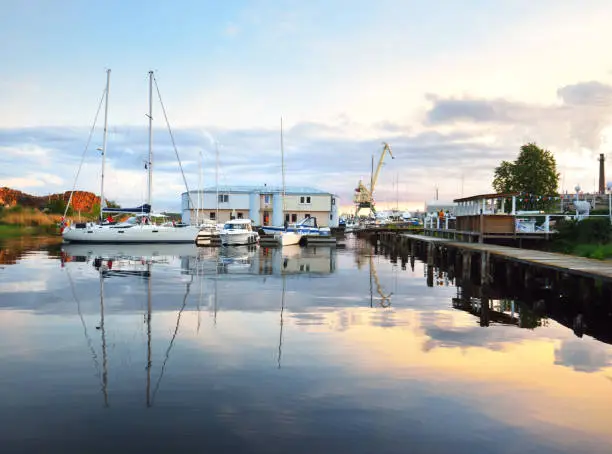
[453, 87]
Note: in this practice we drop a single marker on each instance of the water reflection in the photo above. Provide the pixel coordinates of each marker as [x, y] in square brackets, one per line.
[258, 352]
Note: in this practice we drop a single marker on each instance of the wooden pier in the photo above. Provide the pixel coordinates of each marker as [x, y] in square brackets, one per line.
[559, 262]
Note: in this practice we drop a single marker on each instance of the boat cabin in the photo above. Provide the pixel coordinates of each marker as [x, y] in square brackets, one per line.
[238, 224]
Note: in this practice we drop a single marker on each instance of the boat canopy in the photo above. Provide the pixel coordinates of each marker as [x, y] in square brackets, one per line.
[146, 208]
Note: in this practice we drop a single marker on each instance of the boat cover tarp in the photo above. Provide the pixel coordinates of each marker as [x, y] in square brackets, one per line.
[146, 208]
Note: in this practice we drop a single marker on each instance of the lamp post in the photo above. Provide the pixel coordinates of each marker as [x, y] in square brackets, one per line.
[609, 187]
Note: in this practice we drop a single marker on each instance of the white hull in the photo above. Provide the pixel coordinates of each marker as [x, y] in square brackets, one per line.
[206, 237]
[239, 238]
[131, 234]
[288, 238]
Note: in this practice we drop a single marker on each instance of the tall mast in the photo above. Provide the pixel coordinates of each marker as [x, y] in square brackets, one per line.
[199, 199]
[372, 186]
[217, 178]
[397, 192]
[108, 72]
[150, 161]
[282, 165]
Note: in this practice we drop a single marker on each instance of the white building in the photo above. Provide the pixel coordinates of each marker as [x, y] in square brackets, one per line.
[262, 204]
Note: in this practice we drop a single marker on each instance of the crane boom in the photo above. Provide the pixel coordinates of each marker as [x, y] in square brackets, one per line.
[364, 196]
[386, 148]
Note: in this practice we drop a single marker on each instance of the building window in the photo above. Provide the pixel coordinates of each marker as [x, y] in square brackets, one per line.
[333, 200]
[213, 215]
[266, 199]
[239, 215]
[301, 199]
[331, 217]
[307, 199]
[223, 198]
[294, 217]
[287, 217]
[307, 215]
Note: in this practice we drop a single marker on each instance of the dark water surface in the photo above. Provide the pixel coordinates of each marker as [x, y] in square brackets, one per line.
[179, 349]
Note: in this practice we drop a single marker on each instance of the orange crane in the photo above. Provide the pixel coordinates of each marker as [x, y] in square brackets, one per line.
[364, 197]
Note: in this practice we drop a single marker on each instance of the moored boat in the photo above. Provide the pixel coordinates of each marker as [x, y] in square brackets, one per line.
[238, 232]
[139, 228]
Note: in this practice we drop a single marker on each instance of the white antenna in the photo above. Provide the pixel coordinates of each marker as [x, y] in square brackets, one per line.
[108, 72]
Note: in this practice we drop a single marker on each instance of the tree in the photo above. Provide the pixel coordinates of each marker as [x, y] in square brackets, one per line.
[57, 206]
[533, 172]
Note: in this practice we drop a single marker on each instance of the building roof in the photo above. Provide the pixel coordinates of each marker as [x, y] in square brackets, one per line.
[240, 189]
[500, 195]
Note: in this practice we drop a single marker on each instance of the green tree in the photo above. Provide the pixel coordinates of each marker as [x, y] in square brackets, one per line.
[533, 172]
[95, 209]
[57, 206]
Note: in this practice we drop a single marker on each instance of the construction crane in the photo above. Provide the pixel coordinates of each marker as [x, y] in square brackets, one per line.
[364, 197]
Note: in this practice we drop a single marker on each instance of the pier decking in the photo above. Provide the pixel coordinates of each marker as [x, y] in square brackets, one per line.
[559, 262]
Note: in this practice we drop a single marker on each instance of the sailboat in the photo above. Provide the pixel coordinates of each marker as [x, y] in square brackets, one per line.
[140, 227]
[285, 237]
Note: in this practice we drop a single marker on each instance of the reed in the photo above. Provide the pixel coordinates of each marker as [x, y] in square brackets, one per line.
[28, 218]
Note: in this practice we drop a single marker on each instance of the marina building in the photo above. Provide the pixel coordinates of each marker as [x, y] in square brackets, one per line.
[262, 204]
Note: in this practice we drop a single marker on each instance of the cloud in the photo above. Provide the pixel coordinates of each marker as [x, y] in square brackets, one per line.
[579, 120]
[591, 93]
[320, 155]
[456, 147]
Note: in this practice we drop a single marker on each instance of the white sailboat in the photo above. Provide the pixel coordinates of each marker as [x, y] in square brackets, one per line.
[285, 237]
[139, 228]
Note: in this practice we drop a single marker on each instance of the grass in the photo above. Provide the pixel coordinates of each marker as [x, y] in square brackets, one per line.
[18, 221]
[593, 251]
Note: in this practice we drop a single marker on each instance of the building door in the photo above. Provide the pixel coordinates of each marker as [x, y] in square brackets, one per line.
[266, 218]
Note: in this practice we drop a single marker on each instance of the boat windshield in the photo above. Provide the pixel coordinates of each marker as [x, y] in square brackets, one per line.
[232, 226]
[132, 220]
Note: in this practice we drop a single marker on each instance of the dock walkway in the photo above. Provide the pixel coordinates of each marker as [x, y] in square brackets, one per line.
[552, 260]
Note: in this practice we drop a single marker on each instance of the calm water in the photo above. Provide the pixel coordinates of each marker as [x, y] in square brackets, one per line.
[175, 349]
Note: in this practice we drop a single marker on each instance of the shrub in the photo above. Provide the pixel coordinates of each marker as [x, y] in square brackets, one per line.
[590, 230]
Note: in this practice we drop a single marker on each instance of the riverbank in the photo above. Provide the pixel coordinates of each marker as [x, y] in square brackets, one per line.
[8, 231]
[18, 221]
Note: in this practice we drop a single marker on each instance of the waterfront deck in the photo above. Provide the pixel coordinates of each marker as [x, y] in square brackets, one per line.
[559, 262]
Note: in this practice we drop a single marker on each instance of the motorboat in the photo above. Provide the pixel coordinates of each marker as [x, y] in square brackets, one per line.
[350, 225]
[307, 226]
[208, 234]
[238, 232]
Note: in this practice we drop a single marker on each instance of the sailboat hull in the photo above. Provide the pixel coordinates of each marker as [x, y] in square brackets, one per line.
[133, 234]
